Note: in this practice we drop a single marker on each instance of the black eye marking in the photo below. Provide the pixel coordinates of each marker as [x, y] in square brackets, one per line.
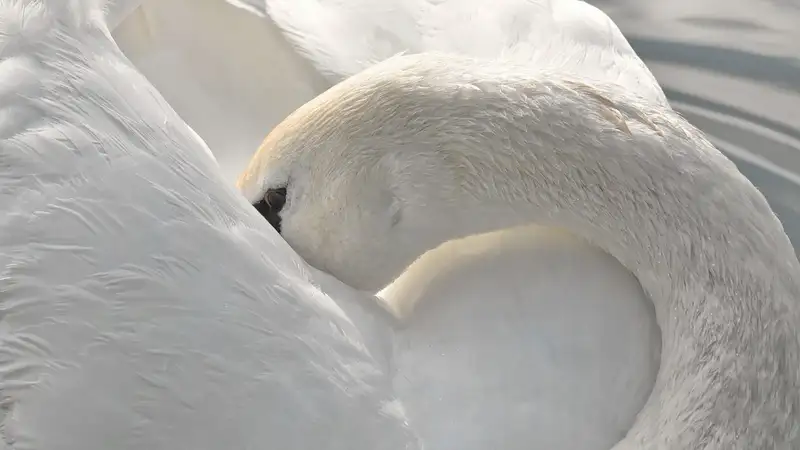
[271, 205]
[276, 198]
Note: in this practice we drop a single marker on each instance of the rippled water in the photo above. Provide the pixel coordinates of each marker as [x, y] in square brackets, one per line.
[732, 67]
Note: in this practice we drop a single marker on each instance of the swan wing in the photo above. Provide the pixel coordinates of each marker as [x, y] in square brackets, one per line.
[342, 37]
[144, 303]
[234, 87]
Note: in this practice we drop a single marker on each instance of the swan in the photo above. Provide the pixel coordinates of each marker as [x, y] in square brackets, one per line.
[145, 303]
[304, 47]
[299, 49]
[119, 322]
[421, 149]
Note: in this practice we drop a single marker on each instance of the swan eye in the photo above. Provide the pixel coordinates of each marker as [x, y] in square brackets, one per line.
[276, 198]
[270, 206]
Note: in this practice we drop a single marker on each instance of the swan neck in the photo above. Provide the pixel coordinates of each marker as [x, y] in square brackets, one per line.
[680, 236]
[645, 186]
[705, 247]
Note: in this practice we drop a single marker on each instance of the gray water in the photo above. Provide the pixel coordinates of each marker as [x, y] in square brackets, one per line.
[731, 67]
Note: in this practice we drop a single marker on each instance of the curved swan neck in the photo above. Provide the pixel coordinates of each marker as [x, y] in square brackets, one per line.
[693, 221]
[646, 187]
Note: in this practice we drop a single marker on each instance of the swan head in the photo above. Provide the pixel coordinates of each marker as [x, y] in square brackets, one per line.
[331, 180]
[354, 180]
[416, 151]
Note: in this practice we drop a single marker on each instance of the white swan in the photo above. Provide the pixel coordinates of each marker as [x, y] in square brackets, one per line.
[186, 49]
[421, 149]
[120, 324]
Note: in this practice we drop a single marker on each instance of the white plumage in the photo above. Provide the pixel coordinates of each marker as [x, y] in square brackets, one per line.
[147, 306]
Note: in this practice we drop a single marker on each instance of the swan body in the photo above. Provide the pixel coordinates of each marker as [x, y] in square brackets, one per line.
[507, 349]
[421, 149]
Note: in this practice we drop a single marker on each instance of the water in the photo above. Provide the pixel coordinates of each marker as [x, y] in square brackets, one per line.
[732, 67]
